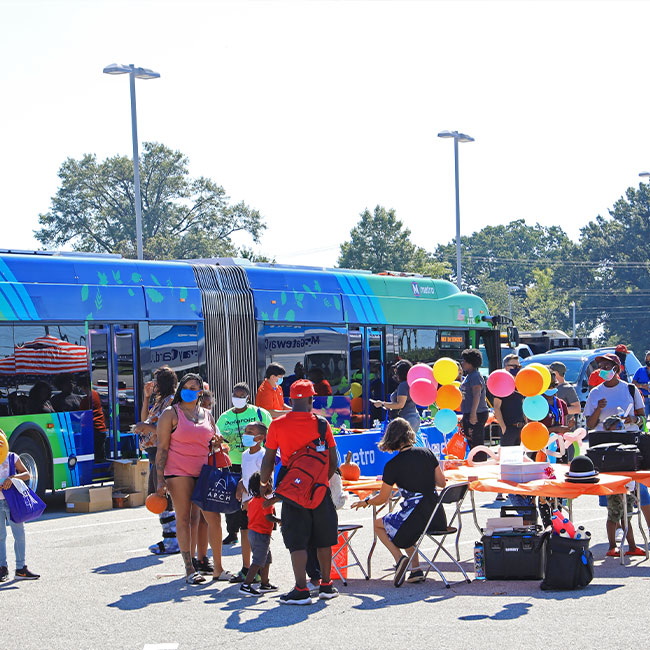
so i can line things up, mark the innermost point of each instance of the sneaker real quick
(249, 590)
(265, 588)
(416, 576)
(239, 577)
(500, 497)
(231, 538)
(25, 574)
(327, 591)
(204, 566)
(619, 535)
(4, 574)
(297, 597)
(311, 586)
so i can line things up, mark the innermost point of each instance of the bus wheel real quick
(33, 458)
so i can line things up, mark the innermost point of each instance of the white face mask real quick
(239, 402)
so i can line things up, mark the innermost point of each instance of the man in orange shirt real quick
(269, 394)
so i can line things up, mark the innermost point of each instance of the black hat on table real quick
(582, 470)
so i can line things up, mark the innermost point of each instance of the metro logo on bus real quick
(418, 290)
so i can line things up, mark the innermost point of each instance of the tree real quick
(547, 305)
(182, 217)
(380, 242)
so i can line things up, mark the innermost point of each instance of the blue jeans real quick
(17, 530)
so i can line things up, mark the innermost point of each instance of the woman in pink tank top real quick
(186, 434)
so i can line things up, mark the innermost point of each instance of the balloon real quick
(419, 371)
(156, 504)
(534, 436)
(449, 397)
(445, 421)
(4, 447)
(455, 383)
(546, 373)
(356, 404)
(535, 408)
(423, 392)
(356, 389)
(445, 370)
(501, 383)
(529, 382)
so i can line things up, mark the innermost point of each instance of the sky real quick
(313, 111)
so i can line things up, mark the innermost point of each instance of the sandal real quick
(613, 552)
(637, 551)
(400, 571)
(224, 576)
(194, 578)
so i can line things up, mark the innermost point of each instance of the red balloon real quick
(356, 404)
(423, 392)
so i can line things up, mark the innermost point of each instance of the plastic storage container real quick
(514, 556)
(523, 472)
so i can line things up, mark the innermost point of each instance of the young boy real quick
(251, 462)
(260, 526)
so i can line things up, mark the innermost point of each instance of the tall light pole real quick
(573, 304)
(458, 137)
(140, 73)
(514, 287)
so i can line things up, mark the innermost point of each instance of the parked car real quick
(580, 364)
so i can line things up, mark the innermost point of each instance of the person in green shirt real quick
(232, 425)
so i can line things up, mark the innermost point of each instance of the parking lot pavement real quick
(101, 588)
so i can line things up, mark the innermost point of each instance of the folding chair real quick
(452, 494)
(351, 530)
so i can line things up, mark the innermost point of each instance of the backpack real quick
(305, 483)
(569, 564)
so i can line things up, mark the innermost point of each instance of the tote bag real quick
(24, 504)
(215, 489)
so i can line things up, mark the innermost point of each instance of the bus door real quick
(367, 352)
(114, 379)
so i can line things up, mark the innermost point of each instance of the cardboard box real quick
(88, 499)
(131, 475)
(122, 499)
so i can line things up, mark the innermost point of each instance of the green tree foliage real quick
(546, 304)
(380, 242)
(182, 217)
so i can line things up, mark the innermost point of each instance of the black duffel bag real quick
(569, 564)
(614, 457)
(638, 438)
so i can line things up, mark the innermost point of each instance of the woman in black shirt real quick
(416, 472)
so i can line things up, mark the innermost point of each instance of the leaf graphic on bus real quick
(183, 293)
(103, 279)
(136, 277)
(334, 418)
(308, 290)
(84, 293)
(300, 297)
(264, 316)
(193, 307)
(291, 315)
(346, 424)
(283, 298)
(276, 313)
(155, 295)
(131, 293)
(116, 277)
(337, 303)
(98, 300)
(327, 303)
(155, 279)
(90, 316)
(317, 286)
(330, 401)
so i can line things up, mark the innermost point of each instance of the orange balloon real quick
(534, 436)
(449, 397)
(156, 504)
(529, 382)
(356, 404)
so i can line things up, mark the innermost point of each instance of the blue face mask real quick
(188, 395)
(550, 391)
(280, 380)
(248, 440)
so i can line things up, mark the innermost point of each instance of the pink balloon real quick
(501, 383)
(419, 371)
(423, 391)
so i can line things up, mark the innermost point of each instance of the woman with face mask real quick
(186, 435)
(232, 425)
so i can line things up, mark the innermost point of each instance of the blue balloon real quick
(535, 408)
(445, 421)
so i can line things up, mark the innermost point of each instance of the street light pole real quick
(458, 137)
(140, 73)
(573, 304)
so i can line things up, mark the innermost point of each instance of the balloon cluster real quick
(437, 385)
(531, 382)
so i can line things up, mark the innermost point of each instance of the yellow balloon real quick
(456, 383)
(356, 389)
(545, 373)
(4, 447)
(445, 371)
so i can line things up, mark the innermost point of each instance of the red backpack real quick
(305, 482)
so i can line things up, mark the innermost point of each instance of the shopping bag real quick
(215, 489)
(457, 446)
(24, 504)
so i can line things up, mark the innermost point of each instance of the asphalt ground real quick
(101, 588)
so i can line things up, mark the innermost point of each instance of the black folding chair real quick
(452, 494)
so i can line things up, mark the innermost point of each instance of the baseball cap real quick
(558, 366)
(622, 348)
(610, 357)
(301, 388)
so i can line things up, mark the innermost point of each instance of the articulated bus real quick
(80, 334)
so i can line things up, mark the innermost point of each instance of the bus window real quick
(452, 343)
(418, 345)
(175, 346)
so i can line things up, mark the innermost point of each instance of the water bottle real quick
(479, 561)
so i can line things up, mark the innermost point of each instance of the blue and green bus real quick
(80, 334)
